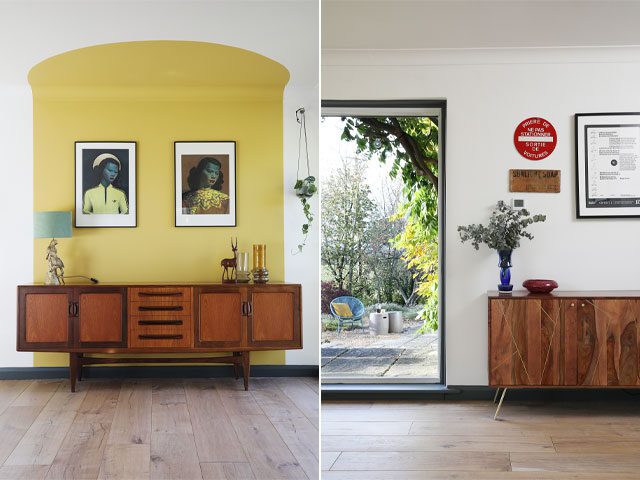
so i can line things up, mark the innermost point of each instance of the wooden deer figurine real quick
(229, 264)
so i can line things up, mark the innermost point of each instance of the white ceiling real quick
(431, 24)
(286, 31)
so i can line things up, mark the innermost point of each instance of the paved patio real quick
(354, 353)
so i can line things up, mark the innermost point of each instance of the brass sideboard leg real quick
(495, 417)
(73, 370)
(236, 364)
(495, 397)
(246, 366)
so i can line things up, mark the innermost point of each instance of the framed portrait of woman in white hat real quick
(105, 190)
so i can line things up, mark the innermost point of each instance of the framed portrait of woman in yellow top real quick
(205, 184)
(105, 190)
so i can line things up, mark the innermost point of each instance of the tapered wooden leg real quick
(236, 365)
(80, 356)
(73, 370)
(246, 365)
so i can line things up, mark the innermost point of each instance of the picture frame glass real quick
(105, 184)
(205, 184)
(607, 165)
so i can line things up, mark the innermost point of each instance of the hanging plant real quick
(304, 188)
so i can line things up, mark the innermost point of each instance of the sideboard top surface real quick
(161, 284)
(525, 294)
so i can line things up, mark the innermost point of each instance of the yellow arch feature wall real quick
(155, 93)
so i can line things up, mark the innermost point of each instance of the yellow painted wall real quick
(172, 91)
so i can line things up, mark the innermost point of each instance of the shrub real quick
(329, 291)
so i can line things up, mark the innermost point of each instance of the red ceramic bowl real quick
(537, 285)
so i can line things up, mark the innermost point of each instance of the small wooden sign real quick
(542, 181)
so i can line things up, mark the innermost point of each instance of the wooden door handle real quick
(159, 322)
(161, 308)
(160, 294)
(160, 337)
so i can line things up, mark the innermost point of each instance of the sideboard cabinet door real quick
(524, 342)
(44, 318)
(101, 317)
(274, 319)
(220, 316)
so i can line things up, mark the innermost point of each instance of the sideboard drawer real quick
(161, 308)
(168, 331)
(160, 294)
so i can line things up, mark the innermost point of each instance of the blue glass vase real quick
(505, 270)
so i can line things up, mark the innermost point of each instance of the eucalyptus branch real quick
(505, 229)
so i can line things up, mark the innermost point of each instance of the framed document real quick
(607, 165)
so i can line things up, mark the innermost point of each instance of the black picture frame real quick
(197, 206)
(119, 208)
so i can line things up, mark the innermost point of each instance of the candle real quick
(259, 257)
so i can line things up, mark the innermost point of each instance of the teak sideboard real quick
(564, 339)
(159, 319)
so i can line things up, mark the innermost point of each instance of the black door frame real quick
(414, 104)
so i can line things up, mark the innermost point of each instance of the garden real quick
(379, 234)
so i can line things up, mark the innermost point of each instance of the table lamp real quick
(52, 225)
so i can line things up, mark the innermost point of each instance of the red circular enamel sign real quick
(535, 138)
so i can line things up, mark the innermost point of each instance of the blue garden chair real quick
(356, 306)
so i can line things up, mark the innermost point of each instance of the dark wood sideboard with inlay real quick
(564, 339)
(159, 319)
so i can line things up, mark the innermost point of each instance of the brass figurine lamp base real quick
(52, 225)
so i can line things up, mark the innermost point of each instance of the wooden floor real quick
(460, 440)
(180, 429)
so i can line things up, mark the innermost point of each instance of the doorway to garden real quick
(382, 221)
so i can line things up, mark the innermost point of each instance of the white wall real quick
(488, 93)
(31, 31)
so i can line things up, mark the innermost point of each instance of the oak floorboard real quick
(366, 428)
(226, 471)
(273, 402)
(81, 452)
(10, 390)
(301, 436)
(173, 455)
(169, 410)
(235, 399)
(125, 462)
(132, 418)
(302, 397)
(268, 454)
(14, 423)
(41, 442)
(575, 462)
(100, 402)
(37, 393)
(23, 472)
(327, 460)
(465, 475)
(437, 443)
(592, 444)
(312, 382)
(216, 439)
(400, 461)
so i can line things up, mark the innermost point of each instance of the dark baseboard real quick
(19, 373)
(402, 392)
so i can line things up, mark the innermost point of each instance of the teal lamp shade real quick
(51, 224)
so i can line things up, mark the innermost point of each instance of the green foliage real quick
(346, 212)
(305, 189)
(505, 229)
(411, 144)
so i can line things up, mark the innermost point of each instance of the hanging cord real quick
(301, 119)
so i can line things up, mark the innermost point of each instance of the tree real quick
(412, 145)
(346, 212)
